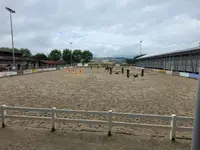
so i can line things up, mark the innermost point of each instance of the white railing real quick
(109, 122)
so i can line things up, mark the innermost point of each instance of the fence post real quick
(53, 119)
(109, 122)
(173, 129)
(3, 115)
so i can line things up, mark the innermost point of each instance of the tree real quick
(41, 56)
(26, 52)
(15, 49)
(55, 55)
(66, 55)
(87, 56)
(8, 49)
(77, 56)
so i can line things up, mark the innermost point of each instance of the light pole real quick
(140, 47)
(71, 54)
(196, 129)
(13, 51)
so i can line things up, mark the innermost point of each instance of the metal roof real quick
(170, 52)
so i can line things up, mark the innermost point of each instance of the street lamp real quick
(140, 47)
(12, 11)
(71, 53)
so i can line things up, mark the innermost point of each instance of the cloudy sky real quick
(106, 27)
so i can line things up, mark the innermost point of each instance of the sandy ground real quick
(37, 139)
(155, 93)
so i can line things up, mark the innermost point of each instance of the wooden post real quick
(53, 119)
(173, 129)
(110, 71)
(142, 72)
(109, 122)
(122, 70)
(128, 73)
(3, 115)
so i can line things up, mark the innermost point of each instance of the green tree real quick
(26, 52)
(55, 55)
(8, 49)
(66, 55)
(41, 56)
(77, 56)
(87, 56)
(15, 49)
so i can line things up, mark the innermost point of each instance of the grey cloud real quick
(106, 27)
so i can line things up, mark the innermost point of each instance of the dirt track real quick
(37, 139)
(154, 94)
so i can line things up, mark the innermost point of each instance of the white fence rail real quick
(109, 122)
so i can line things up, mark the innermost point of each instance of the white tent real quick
(79, 65)
(85, 65)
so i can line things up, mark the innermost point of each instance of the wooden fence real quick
(109, 122)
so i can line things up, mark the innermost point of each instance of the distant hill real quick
(118, 59)
(125, 56)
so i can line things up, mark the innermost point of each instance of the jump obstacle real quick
(77, 70)
(127, 72)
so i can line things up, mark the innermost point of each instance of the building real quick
(22, 63)
(187, 60)
(6, 61)
(50, 63)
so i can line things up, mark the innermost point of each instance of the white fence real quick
(109, 122)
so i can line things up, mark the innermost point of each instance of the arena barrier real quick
(49, 69)
(156, 70)
(169, 72)
(162, 71)
(193, 75)
(40, 70)
(173, 119)
(34, 70)
(184, 74)
(176, 73)
(8, 73)
(27, 71)
(139, 68)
